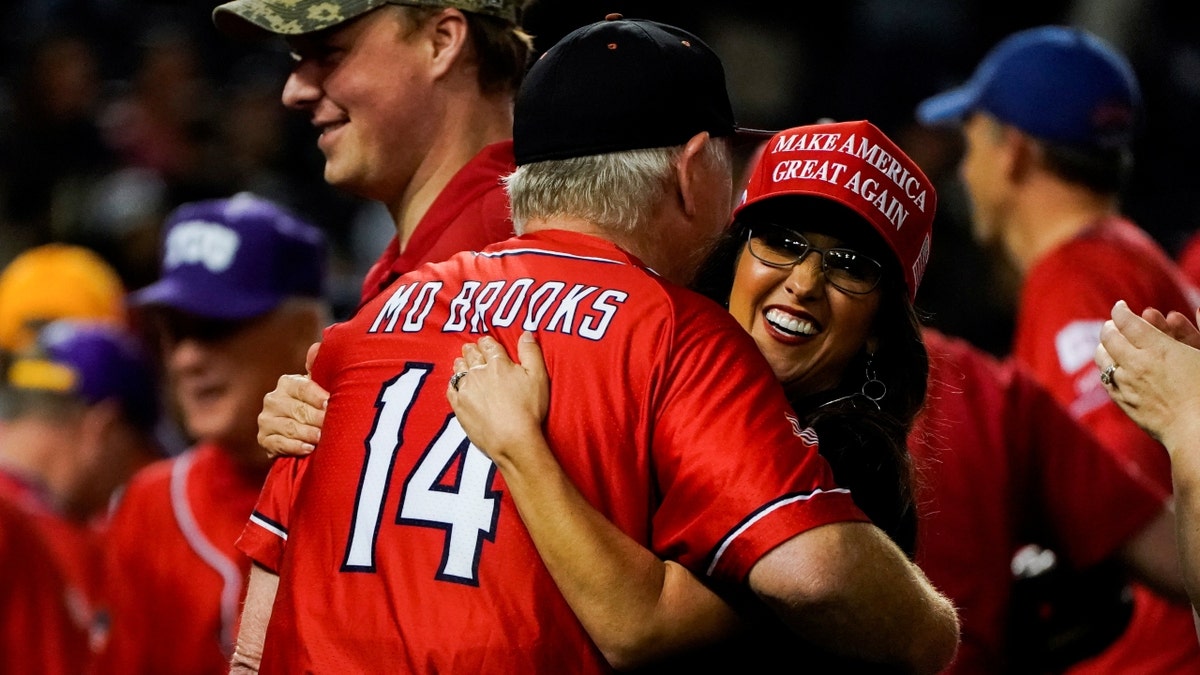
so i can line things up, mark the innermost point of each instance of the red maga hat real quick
(855, 164)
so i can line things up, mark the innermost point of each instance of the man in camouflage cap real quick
(413, 104)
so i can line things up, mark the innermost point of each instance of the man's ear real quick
(689, 168)
(97, 420)
(448, 35)
(1022, 153)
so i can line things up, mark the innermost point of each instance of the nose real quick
(806, 278)
(185, 355)
(302, 89)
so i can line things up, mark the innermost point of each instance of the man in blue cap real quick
(1049, 119)
(240, 299)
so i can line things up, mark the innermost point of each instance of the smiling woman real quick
(823, 281)
(810, 310)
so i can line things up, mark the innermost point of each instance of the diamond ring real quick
(1106, 377)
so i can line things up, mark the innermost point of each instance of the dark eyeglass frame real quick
(809, 248)
(175, 327)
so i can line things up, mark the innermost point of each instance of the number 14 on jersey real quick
(466, 509)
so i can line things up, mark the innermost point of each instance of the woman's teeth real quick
(790, 324)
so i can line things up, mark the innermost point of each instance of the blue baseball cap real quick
(1059, 84)
(94, 362)
(236, 258)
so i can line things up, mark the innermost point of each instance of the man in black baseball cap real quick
(621, 139)
(623, 85)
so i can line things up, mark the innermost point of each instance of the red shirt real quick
(396, 543)
(1001, 464)
(176, 579)
(39, 631)
(75, 547)
(470, 213)
(1066, 298)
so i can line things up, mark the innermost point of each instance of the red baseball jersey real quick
(1066, 298)
(470, 213)
(397, 545)
(176, 579)
(39, 631)
(1002, 464)
(76, 550)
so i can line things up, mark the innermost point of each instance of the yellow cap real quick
(56, 281)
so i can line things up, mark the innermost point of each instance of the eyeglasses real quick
(847, 269)
(178, 326)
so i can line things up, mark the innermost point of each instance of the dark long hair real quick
(866, 446)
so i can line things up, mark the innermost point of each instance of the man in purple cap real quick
(80, 407)
(1049, 119)
(240, 299)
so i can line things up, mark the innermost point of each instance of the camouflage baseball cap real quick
(251, 18)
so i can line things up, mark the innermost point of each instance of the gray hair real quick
(617, 191)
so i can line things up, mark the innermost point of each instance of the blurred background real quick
(112, 112)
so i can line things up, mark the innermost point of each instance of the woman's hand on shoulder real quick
(501, 404)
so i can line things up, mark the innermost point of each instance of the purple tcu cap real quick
(236, 258)
(93, 361)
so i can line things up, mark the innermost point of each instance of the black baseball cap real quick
(621, 84)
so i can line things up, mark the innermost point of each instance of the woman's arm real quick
(636, 607)
(1156, 383)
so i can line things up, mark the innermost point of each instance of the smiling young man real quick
(413, 105)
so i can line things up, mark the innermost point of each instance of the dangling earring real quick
(873, 388)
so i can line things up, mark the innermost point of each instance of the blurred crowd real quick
(112, 112)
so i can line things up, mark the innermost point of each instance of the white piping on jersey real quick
(268, 526)
(725, 543)
(231, 576)
(542, 251)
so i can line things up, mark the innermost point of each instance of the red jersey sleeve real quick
(265, 535)
(763, 464)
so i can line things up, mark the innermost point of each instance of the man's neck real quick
(485, 121)
(1044, 220)
(40, 451)
(649, 252)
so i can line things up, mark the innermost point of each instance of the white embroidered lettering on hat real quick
(873, 154)
(922, 261)
(793, 142)
(808, 169)
(210, 244)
